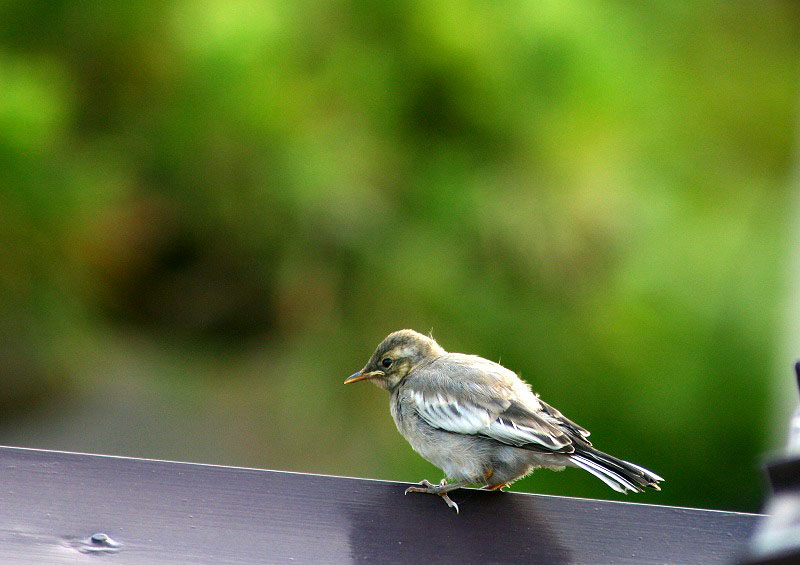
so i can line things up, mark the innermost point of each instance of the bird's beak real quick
(361, 376)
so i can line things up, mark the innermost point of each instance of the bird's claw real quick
(449, 502)
(498, 488)
(429, 488)
(426, 487)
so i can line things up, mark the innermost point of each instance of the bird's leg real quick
(487, 474)
(441, 489)
(500, 487)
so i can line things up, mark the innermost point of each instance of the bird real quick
(480, 423)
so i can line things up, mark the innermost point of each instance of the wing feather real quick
(469, 395)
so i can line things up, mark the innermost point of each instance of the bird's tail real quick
(616, 473)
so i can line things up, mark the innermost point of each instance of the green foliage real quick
(213, 211)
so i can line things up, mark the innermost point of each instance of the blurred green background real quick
(211, 213)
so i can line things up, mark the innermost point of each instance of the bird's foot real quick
(499, 487)
(441, 489)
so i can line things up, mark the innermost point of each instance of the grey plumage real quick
(479, 422)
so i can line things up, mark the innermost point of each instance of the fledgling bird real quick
(479, 422)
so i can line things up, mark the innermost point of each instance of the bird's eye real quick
(386, 362)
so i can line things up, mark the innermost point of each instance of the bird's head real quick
(395, 357)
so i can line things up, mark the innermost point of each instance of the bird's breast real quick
(460, 456)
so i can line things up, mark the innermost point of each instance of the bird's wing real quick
(564, 422)
(469, 395)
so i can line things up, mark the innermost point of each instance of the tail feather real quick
(616, 473)
(612, 479)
